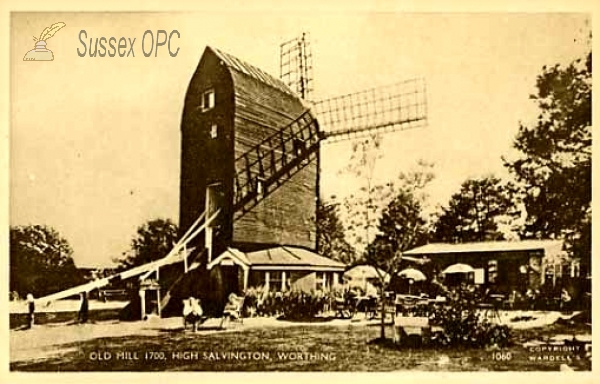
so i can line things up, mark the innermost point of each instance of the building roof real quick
(292, 256)
(279, 257)
(548, 246)
(233, 63)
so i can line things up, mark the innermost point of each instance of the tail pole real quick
(170, 258)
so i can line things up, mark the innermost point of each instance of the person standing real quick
(84, 309)
(565, 300)
(31, 310)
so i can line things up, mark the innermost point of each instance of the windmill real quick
(250, 163)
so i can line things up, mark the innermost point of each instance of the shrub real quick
(462, 325)
(303, 305)
(291, 304)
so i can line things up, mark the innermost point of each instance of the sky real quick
(95, 142)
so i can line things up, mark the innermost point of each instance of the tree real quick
(363, 207)
(153, 241)
(331, 235)
(473, 213)
(555, 163)
(41, 261)
(401, 227)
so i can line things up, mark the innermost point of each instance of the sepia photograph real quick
(310, 191)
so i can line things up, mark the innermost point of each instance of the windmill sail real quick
(296, 67)
(384, 109)
(390, 108)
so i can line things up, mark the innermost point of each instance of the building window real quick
(575, 269)
(322, 281)
(286, 284)
(258, 279)
(208, 100)
(492, 271)
(214, 130)
(275, 281)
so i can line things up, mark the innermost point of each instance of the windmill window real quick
(299, 146)
(260, 187)
(208, 100)
(214, 130)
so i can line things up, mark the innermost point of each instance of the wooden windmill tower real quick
(250, 161)
(250, 145)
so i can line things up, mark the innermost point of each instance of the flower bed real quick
(293, 305)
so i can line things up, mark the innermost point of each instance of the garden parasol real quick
(458, 268)
(413, 274)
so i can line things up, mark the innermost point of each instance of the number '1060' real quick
(501, 356)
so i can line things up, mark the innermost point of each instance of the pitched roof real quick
(552, 246)
(258, 74)
(290, 256)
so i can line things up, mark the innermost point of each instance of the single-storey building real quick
(502, 265)
(277, 269)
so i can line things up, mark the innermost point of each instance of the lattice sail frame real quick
(296, 65)
(389, 108)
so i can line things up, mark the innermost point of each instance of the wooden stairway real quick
(273, 161)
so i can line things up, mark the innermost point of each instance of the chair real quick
(192, 313)
(370, 307)
(509, 302)
(233, 309)
(343, 308)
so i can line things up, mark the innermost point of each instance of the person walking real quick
(31, 310)
(84, 309)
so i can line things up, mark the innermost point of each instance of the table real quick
(368, 304)
(411, 325)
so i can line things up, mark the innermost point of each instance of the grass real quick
(337, 348)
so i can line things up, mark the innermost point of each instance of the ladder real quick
(270, 163)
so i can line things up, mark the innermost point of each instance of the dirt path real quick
(64, 306)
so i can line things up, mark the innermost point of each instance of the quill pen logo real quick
(41, 53)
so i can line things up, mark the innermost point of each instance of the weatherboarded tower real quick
(244, 153)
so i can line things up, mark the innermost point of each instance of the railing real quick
(268, 161)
